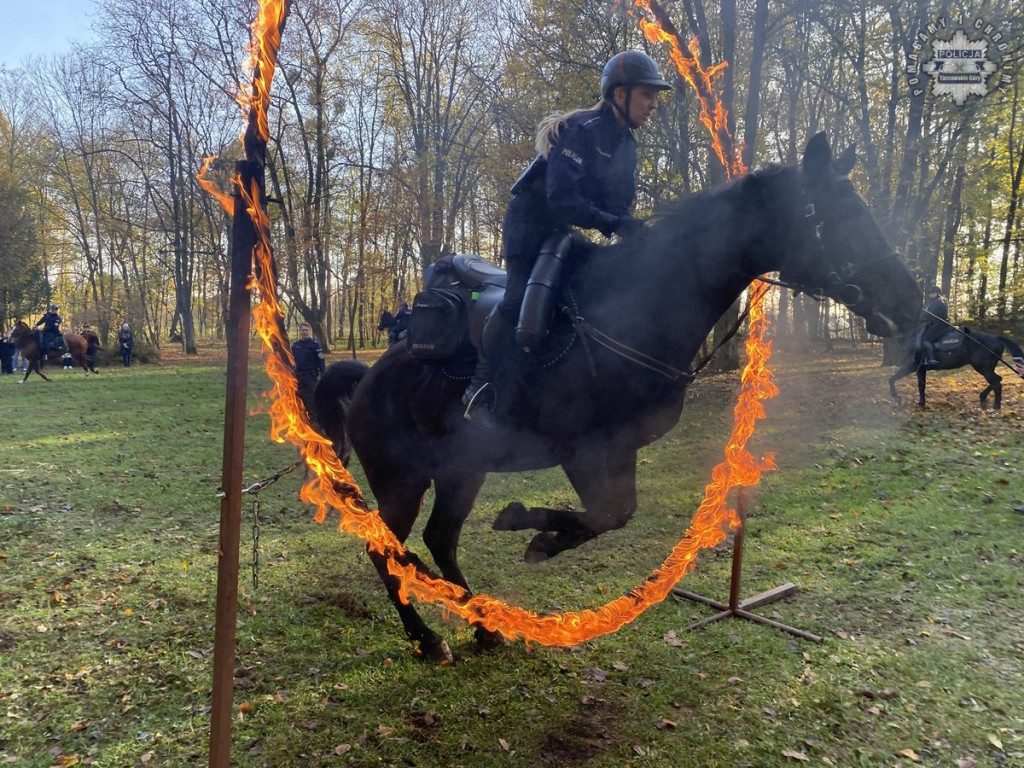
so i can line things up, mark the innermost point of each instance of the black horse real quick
(960, 347)
(658, 294)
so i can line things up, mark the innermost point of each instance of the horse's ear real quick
(817, 157)
(845, 162)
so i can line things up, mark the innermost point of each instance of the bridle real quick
(840, 284)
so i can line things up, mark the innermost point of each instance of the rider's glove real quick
(628, 226)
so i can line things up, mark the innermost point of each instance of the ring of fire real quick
(334, 487)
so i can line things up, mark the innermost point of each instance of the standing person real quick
(18, 361)
(7, 350)
(51, 330)
(583, 176)
(126, 343)
(309, 365)
(936, 323)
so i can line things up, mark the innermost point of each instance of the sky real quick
(42, 27)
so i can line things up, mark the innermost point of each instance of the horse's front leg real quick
(922, 379)
(904, 370)
(605, 480)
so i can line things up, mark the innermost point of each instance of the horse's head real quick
(840, 251)
(20, 329)
(386, 321)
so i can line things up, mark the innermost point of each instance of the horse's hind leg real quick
(995, 386)
(454, 496)
(399, 497)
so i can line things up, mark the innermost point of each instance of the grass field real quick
(903, 529)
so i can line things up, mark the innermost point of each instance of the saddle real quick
(951, 341)
(448, 315)
(461, 291)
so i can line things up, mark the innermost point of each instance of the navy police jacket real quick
(50, 321)
(309, 357)
(591, 171)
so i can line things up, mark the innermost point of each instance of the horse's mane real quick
(688, 218)
(691, 213)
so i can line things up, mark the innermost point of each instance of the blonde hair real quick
(550, 127)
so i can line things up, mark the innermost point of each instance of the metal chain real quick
(255, 489)
(255, 542)
(261, 484)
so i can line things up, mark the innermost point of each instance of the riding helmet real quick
(631, 68)
(54, 307)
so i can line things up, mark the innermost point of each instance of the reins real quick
(588, 332)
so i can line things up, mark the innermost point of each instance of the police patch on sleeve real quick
(573, 156)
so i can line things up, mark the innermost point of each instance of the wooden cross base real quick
(735, 606)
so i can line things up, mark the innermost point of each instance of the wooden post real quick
(243, 240)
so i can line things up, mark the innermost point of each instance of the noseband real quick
(840, 284)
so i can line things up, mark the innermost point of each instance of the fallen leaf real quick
(672, 639)
(911, 754)
(994, 741)
(923, 684)
(341, 749)
(795, 754)
(384, 730)
(665, 723)
(504, 744)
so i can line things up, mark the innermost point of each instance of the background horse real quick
(387, 322)
(590, 409)
(982, 351)
(74, 343)
(397, 328)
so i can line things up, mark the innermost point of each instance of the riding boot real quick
(929, 353)
(481, 396)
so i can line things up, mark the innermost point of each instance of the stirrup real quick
(472, 400)
(482, 417)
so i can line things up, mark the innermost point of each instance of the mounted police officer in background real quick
(935, 325)
(583, 176)
(401, 325)
(309, 365)
(51, 331)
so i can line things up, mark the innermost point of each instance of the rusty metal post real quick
(737, 608)
(243, 240)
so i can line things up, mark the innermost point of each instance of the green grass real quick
(901, 527)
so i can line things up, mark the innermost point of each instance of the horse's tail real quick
(1015, 351)
(331, 399)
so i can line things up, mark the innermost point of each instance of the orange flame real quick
(712, 114)
(227, 202)
(333, 487)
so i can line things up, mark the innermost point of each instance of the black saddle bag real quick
(439, 324)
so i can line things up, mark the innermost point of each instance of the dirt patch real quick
(588, 733)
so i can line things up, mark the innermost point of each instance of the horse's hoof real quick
(439, 651)
(510, 518)
(487, 640)
(540, 547)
